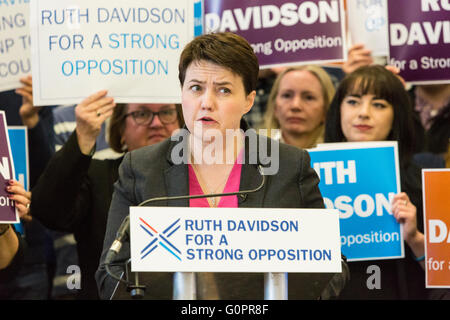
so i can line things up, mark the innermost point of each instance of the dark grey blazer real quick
(150, 172)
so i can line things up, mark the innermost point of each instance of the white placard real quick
(15, 50)
(368, 24)
(169, 239)
(131, 48)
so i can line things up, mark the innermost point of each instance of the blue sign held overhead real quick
(360, 180)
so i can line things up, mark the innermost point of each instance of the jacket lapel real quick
(177, 178)
(177, 182)
(251, 179)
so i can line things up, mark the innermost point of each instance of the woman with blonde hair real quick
(297, 105)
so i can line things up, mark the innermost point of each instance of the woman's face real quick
(213, 97)
(366, 118)
(146, 133)
(299, 104)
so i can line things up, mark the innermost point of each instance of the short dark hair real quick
(117, 126)
(382, 83)
(225, 49)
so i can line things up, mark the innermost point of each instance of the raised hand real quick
(21, 197)
(90, 115)
(405, 212)
(358, 56)
(28, 112)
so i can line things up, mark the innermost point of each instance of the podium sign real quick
(173, 239)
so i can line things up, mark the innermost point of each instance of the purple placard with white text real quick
(8, 212)
(419, 40)
(283, 32)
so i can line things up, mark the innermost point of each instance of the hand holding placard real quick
(21, 197)
(90, 115)
(358, 56)
(405, 212)
(8, 210)
(28, 112)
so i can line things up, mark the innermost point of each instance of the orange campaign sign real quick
(436, 200)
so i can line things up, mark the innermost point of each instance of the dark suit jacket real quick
(150, 172)
(73, 195)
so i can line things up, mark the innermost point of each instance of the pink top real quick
(232, 185)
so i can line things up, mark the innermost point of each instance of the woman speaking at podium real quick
(218, 74)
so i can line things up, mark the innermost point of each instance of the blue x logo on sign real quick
(160, 239)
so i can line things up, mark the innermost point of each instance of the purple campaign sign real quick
(419, 39)
(7, 208)
(283, 32)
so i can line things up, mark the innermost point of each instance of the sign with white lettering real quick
(283, 32)
(436, 215)
(15, 50)
(367, 23)
(419, 40)
(360, 179)
(8, 211)
(166, 239)
(19, 150)
(130, 48)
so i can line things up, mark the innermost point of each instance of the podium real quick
(224, 286)
(251, 253)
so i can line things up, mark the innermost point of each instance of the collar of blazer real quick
(177, 179)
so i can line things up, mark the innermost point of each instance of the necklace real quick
(202, 182)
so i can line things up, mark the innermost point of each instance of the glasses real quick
(145, 117)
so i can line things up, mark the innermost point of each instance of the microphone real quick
(123, 231)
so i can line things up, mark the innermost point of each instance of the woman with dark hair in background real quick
(371, 104)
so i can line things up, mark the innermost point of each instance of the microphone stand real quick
(136, 290)
(184, 282)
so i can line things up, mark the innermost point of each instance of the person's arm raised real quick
(358, 56)
(28, 112)
(90, 115)
(405, 212)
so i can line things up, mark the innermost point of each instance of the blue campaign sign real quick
(360, 180)
(19, 150)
